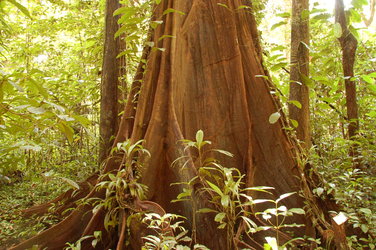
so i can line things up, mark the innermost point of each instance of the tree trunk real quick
(112, 85)
(299, 72)
(349, 45)
(204, 78)
(368, 21)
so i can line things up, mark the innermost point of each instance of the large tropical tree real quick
(204, 72)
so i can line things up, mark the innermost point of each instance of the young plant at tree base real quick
(165, 228)
(122, 188)
(231, 203)
(77, 245)
(279, 213)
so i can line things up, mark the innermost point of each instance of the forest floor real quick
(15, 197)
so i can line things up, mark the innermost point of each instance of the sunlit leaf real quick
(20, 7)
(297, 210)
(215, 188)
(225, 200)
(36, 110)
(171, 10)
(273, 118)
(70, 182)
(284, 196)
(219, 217)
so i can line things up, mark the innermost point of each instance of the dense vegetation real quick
(50, 70)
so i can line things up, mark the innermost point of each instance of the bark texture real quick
(349, 46)
(112, 85)
(299, 71)
(204, 79)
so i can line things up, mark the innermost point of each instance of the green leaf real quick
(206, 210)
(306, 80)
(243, 7)
(283, 196)
(219, 217)
(36, 110)
(35, 148)
(65, 118)
(200, 247)
(257, 201)
(223, 152)
(284, 15)
(372, 88)
(364, 228)
(297, 210)
(224, 5)
(41, 90)
(82, 120)
(319, 191)
(278, 66)
(272, 242)
(225, 200)
(366, 211)
(20, 7)
(171, 10)
(158, 1)
(259, 188)
(296, 103)
(223, 225)
(215, 188)
(273, 118)
(70, 182)
(368, 79)
(294, 123)
(359, 3)
(262, 76)
(94, 242)
(124, 10)
(199, 137)
(67, 130)
(274, 26)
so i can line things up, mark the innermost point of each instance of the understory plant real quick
(121, 187)
(169, 232)
(230, 200)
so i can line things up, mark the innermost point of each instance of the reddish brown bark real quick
(299, 72)
(204, 79)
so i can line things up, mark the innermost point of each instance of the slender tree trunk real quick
(368, 21)
(299, 72)
(349, 46)
(203, 78)
(113, 70)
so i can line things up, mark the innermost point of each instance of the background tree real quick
(349, 46)
(112, 84)
(299, 71)
(368, 21)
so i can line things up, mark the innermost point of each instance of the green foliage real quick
(134, 24)
(230, 201)
(48, 87)
(49, 66)
(169, 233)
(21, 194)
(121, 188)
(96, 237)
